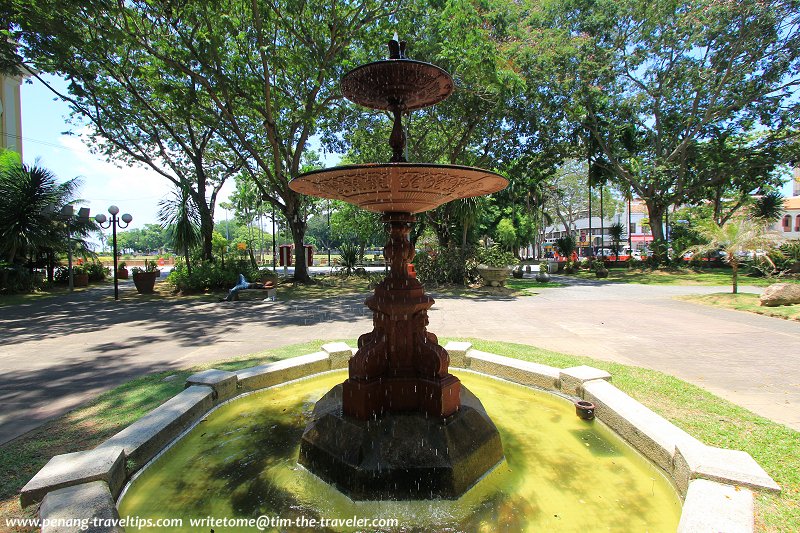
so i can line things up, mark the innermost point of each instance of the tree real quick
(267, 70)
(735, 168)
(616, 230)
(139, 109)
(654, 84)
(220, 245)
(569, 195)
(30, 200)
(769, 207)
(566, 246)
(353, 225)
(506, 234)
(734, 237)
(181, 218)
(151, 237)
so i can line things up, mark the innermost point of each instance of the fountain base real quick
(400, 456)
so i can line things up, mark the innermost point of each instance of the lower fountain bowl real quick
(398, 187)
(400, 456)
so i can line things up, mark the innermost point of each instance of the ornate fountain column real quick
(401, 426)
(399, 365)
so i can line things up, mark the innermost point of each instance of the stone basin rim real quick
(716, 485)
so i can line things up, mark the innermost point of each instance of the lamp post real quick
(67, 213)
(113, 223)
(330, 266)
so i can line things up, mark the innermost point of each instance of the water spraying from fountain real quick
(399, 376)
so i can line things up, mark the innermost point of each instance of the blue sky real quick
(135, 190)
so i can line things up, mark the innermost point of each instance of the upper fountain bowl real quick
(398, 187)
(394, 83)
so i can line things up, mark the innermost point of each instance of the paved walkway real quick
(60, 352)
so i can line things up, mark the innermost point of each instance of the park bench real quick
(244, 285)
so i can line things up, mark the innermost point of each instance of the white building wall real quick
(11, 113)
(793, 226)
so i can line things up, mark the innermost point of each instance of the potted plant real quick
(493, 265)
(543, 275)
(122, 270)
(600, 270)
(80, 276)
(145, 278)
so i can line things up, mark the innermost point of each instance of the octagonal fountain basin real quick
(560, 473)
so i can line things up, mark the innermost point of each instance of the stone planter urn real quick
(145, 281)
(122, 273)
(601, 272)
(80, 280)
(494, 276)
(542, 276)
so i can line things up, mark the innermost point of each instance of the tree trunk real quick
(440, 229)
(655, 212)
(51, 266)
(298, 229)
(206, 232)
(735, 280)
(188, 264)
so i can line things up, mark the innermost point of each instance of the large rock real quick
(781, 294)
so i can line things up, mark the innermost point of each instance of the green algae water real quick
(560, 473)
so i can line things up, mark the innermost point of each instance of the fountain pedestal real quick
(401, 426)
(399, 365)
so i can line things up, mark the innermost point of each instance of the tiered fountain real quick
(401, 426)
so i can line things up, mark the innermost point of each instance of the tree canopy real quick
(658, 87)
(678, 103)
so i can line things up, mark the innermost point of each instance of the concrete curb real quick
(702, 474)
(88, 507)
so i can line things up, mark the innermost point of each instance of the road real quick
(60, 352)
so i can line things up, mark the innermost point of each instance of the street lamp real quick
(113, 223)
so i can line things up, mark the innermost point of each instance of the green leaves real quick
(30, 200)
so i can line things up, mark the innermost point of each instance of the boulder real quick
(781, 294)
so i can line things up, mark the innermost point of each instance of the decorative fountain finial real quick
(397, 48)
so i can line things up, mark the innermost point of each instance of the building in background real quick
(789, 225)
(640, 234)
(11, 113)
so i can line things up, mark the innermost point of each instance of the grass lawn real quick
(745, 302)
(54, 290)
(325, 287)
(683, 276)
(514, 288)
(707, 417)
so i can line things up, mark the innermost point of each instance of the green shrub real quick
(15, 279)
(61, 274)
(97, 272)
(494, 256)
(447, 265)
(212, 276)
(349, 257)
